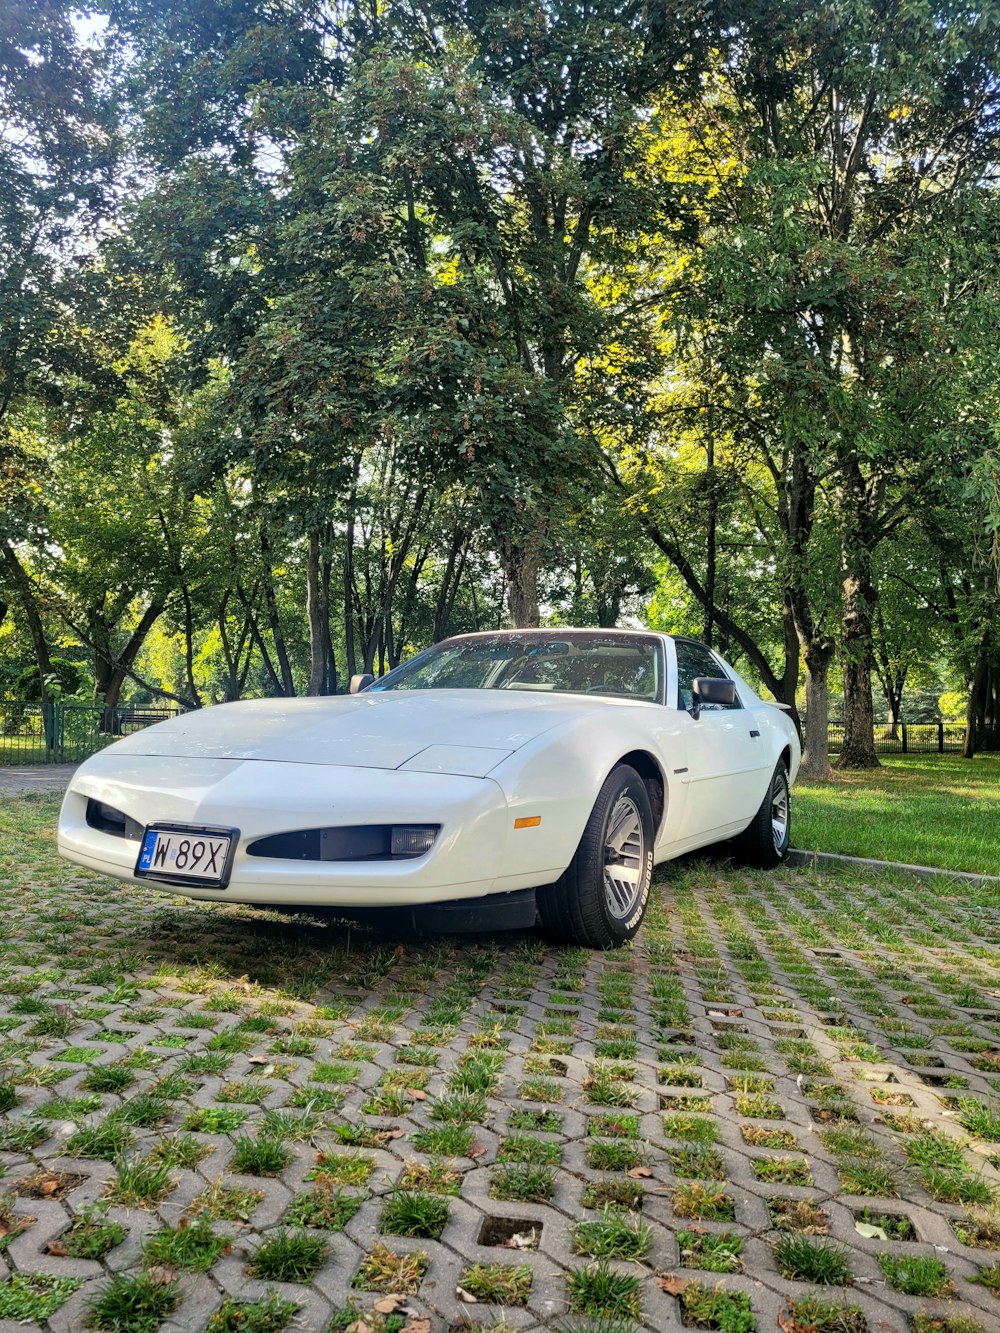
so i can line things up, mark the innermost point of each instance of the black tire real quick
(760, 843)
(586, 907)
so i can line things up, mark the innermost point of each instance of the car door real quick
(725, 753)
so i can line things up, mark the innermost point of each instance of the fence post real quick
(940, 738)
(903, 729)
(49, 727)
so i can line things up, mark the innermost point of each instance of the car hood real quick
(440, 731)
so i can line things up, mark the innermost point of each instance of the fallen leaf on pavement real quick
(15, 1225)
(870, 1231)
(161, 1274)
(672, 1284)
(388, 1304)
(522, 1240)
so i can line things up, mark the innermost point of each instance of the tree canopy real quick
(327, 331)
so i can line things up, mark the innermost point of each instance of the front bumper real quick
(263, 797)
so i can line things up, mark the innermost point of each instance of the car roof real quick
(560, 630)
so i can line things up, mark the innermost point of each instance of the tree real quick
(908, 637)
(117, 514)
(457, 171)
(484, 303)
(834, 297)
(516, 136)
(56, 169)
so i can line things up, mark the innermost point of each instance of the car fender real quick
(552, 783)
(782, 735)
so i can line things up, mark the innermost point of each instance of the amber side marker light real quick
(528, 821)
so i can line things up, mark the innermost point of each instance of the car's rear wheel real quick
(766, 839)
(601, 899)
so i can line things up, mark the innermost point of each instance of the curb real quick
(797, 857)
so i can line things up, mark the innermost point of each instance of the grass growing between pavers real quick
(404, 1117)
(927, 810)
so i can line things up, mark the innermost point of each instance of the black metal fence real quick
(58, 733)
(920, 738)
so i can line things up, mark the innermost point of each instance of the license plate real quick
(187, 855)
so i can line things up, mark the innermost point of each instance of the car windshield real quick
(597, 663)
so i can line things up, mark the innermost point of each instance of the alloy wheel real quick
(779, 812)
(624, 858)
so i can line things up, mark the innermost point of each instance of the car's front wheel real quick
(766, 839)
(601, 899)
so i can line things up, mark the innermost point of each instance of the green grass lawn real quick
(21, 750)
(932, 810)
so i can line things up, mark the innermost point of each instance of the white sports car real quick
(490, 778)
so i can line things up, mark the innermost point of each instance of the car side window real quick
(694, 659)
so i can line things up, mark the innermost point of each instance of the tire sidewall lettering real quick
(781, 780)
(640, 908)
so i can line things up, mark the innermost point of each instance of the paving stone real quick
(746, 1003)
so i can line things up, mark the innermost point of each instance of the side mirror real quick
(359, 683)
(711, 690)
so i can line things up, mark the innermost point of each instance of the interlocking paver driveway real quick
(777, 1110)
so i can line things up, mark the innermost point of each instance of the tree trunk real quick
(972, 703)
(858, 750)
(891, 676)
(404, 627)
(103, 658)
(189, 645)
(125, 660)
(783, 686)
(892, 717)
(520, 563)
(389, 639)
(711, 551)
(894, 688)
(256, 639)
(609, 611)
(314, 614)
(817, 654)
(349, 598)
(274, 621)
(449, 583)
(329, 654)
(29, 605)
(232, 666)
(793, 656)
(476, 622)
